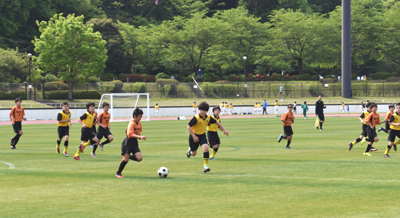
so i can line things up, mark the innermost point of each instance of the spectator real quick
(338, 77)
(265, 105)
(358, 78)
(362, 77)
(172, 77)
(199, 74)
(270, 71)
(365, 77)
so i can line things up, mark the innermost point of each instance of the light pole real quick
(30, 79)
(245, 73)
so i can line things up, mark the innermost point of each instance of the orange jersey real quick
(288, 116)
(95, 117)
(133, 128)
(373, 119)
(388, 115)
(104, 118)
(17, 114)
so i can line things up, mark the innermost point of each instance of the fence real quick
(59, 90)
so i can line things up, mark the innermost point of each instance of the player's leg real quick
(206, 156)
(214, 152)
(321, 120)
(391, 138)
(124, 161)
(66, 141)
(18, 130)
(289, 140)
(192, 151)
(81, 148)
(100, 133)
(136, 153)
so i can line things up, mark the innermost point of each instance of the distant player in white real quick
(221, 106)
(255, 108)
(276, 104)
(226, 108)
(156, 108)
(259, 107)
(194, 108)
(231, 109)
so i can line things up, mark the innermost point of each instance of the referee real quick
(319, 111)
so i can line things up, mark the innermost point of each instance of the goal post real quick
(123, 104)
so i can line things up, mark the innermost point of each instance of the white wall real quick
(51, 114)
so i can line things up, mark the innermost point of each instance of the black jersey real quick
(319, 107)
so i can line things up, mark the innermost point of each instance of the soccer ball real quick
(162, 172)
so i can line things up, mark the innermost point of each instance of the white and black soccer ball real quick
(163, 172)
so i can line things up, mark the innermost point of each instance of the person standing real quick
(295, 108)
(199, 74)
(281, 91)
(362, 106)
(319, 111)
(305, 109)
(270, 71)
(276, 104)
(265, 105)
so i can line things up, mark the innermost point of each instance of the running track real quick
(175, 117)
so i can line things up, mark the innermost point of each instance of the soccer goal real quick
(123, 104)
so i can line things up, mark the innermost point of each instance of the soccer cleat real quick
(206, 169)
(317, 127)
(65, 154)
(93, 154)
(367, 154)
(386, 156)
(288, 147)
(101, 147)
(188, 153)
(77, 158)
(380, 129)
(350, 146)
(211, 158)
(13, 147)
(395, 147)
(12, 141)
(280, 138)
(321, 130)
(82, 147)
(363, 141)
(119, 175)
(373, 149)
(58, 150)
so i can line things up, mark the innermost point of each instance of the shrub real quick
(234, 78)
(50, 78)
(164, 89)
(276, 77)
(136, 78)
(105, 87)
(75, 94)
(92, 79)
(107, 77)
(393, 79)
(118, 85)
(12, 95)
(328, 80)
(162, 75)
(304, 77)
(379, 76)
(223, 82)
(58, 85)
(167, 81)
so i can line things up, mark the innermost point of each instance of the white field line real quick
(9, 164)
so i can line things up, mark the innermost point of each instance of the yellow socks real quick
(387, 150)
(213, 154)
(397, 142)
(86, 144)
(65, 149)
(206, 161)
(355, 142)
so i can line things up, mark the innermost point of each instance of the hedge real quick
(167, 81)
(75, 95)
(12, 95)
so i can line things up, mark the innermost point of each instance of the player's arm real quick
(361, 118)
(192, 122)
(284, 119)
(368, 119)
(391, 122)
(83, 117)
(221, 127)
(23, 115)
(59, 119)
(98, 120)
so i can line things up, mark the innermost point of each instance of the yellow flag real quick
(316, 122)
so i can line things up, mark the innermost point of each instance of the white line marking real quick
(9, 164)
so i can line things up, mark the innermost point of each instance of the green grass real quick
(253, 176)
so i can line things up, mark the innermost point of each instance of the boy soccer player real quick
(305, 109)
(194, 108)
(387, 118)
(256, 108)
(230, 109)
(319, 111)
(104, 128)
(276, 106)
(295, 108)
(287, 120)
(222, 108)
(226, 108)
(394, 130)
(343, 107)
(197, 128)
(87, 120)
(259, 107)
(364, 127)
(130, 144)
(372, 120)
(156, 108)
(212, 133)
(17, 115)
(63, 122)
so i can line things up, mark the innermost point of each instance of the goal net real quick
(123, 104)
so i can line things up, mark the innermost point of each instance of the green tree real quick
(70, 48)
(13, 63)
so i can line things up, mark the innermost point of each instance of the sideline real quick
(9, 164)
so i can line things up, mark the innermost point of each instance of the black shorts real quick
(194, 145)
(387, 126)
(63, 131)
(294, 108)
(87, 134)
(364, 130)
(321, 116)
(213, 138)
(101, 132)
(393, 134)
(17, 127)
(129, 146)
(287, 130)
(371, 133)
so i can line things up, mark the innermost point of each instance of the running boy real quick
(87, 120)
(295, 108)
(387, 118)
(395, 130)
(276, 106)
(194, 108)
(197, 128)
(372, 120)
(156, 108)
(130, 144)
(212, 133)
(63, 122)
(305, 109)
(17, 115)
(104, 128)
(364, 127)
(287, 120)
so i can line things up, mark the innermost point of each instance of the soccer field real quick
(253, 176)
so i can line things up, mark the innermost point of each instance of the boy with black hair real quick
(194, 108)
(372, 120)
(394, 130)
(130, 144)
(319, 111)
(63, 123)
(364, 133)
(230, 109)
(305, 109)
(226, 108)
(197, 128)
(287, 120)
(256, 108)
(156, 108)
(104, 128)
(222, 108)
(212, 133)
(276, 104)
(17, 115)
(295, 108)
(87, 120)
(387, 118)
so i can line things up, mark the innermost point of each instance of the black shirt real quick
(319, 107)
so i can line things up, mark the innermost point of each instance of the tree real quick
(13, 63)
(70, 48)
